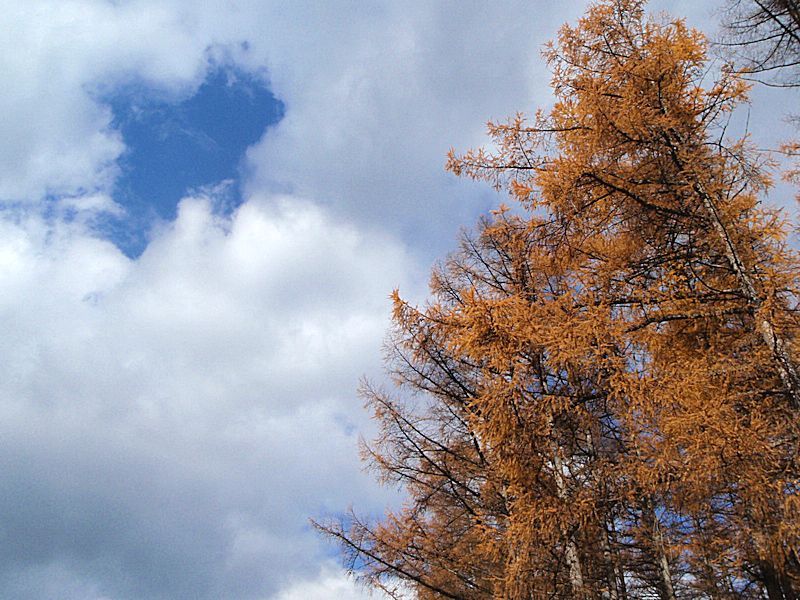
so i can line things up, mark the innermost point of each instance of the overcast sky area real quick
(203, 209)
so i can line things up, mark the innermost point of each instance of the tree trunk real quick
(665, 577)
(776, 584)
(788, 371)
(786, 368)
(614, 575)
(660, 561)
(573, 558)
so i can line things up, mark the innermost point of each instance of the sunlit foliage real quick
(600, 399)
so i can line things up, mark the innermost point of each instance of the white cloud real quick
(57, 56)
(331, 583)
(169, 424)
(374, 97)
(374, 107)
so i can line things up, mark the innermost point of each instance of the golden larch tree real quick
(601, 398)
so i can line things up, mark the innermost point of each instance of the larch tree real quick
(601, 398)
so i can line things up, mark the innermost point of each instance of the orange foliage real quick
(601, 398)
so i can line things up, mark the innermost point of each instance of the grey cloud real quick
(170, 437)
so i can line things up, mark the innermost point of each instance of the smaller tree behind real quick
(764, 35)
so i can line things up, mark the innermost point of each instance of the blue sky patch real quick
(175, 147)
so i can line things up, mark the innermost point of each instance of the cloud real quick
(169, 424)
(57, 56)
(374, 97)
(331, 583)
(374, 101)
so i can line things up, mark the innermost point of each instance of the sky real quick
(204, 207)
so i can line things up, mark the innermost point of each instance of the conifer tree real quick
(601, 399)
